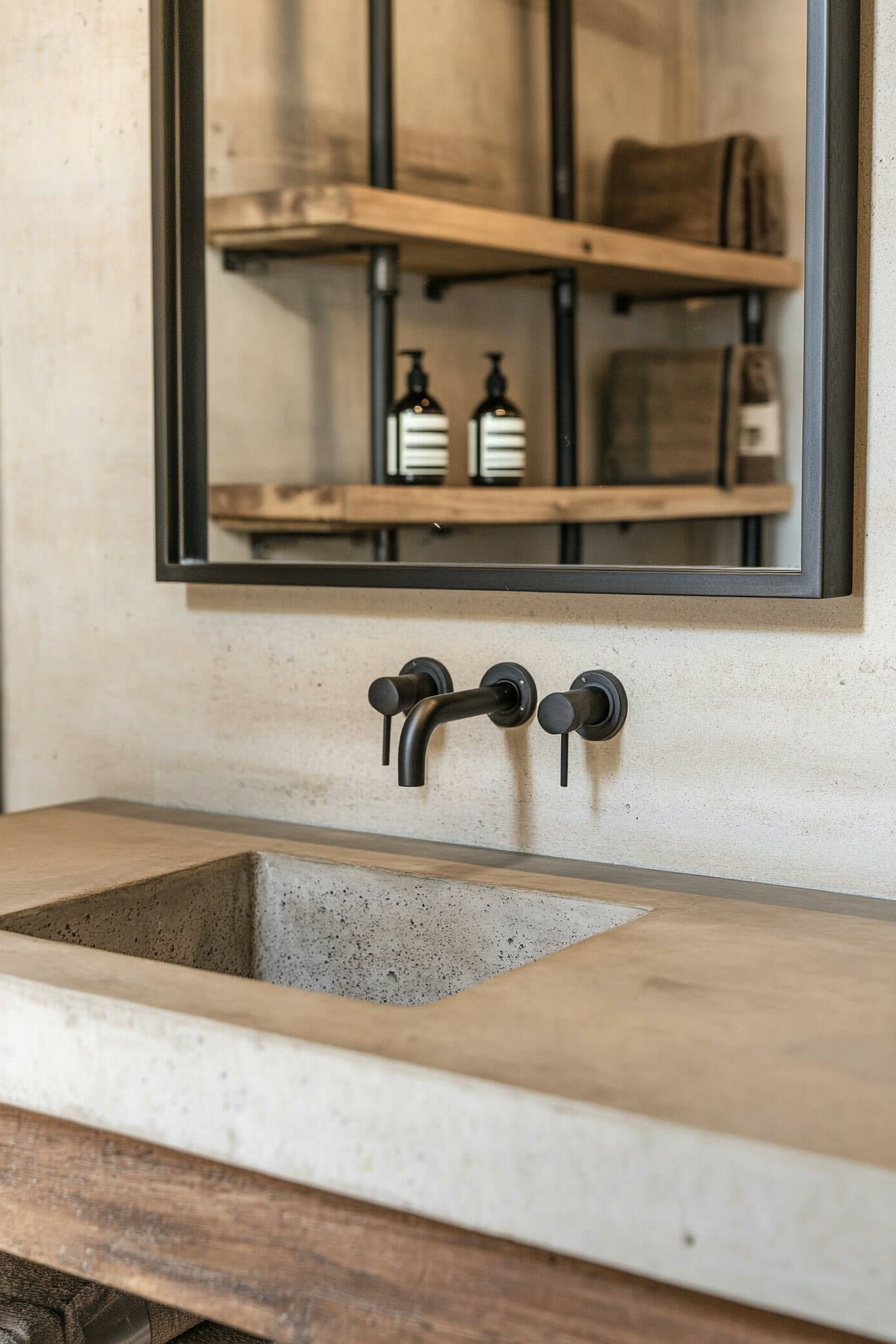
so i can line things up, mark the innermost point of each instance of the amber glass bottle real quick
(417, 451)
(497, 434)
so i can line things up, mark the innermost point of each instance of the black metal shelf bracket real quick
(255, 261)
(435, 287)
(624, 303)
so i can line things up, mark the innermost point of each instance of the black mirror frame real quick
(177, 82)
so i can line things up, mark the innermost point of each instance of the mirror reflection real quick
(565, 324)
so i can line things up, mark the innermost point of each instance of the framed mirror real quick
(616, 245)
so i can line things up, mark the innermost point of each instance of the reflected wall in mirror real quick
(611, 197)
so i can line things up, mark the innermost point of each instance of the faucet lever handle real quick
(568, 711)
(418, 680)
(595, 707)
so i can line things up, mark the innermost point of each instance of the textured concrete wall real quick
(762, 736)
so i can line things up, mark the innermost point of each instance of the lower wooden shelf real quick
(339, 508)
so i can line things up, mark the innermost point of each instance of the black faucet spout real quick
(428, 715)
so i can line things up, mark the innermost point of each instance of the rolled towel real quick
(723, 193)
(692, 417)
(44, 1306)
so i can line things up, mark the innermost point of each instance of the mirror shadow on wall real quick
(665, 324)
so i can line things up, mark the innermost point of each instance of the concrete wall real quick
(762, 736)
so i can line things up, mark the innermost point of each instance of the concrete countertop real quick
(706, 1095)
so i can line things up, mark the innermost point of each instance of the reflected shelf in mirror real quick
(263, 357)
(323, 508)
(445, 238)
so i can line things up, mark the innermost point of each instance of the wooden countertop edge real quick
(290, 1263)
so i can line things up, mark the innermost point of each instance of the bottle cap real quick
(495, 383)
(418, 378)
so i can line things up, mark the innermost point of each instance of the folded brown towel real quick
(692, 417)
(720, 192)
(760, 457)
(44, 1306)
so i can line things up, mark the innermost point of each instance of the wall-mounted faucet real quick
(595, 707)
(418, 679)
(507, 694)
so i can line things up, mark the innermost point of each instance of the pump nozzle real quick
(496, 383)
(418, 378)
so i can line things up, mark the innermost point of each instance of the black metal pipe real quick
(566, 403)
(383, 289)
(751, 542)
(563, 149)
(383, 276)
(381, 93)
(428, 715)
(753, 315)
(563, 206)
(384, 261)
(753, 305)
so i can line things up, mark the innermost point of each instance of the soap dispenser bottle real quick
(497, 434)
(417, 442)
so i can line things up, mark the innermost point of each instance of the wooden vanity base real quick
(301, 1267)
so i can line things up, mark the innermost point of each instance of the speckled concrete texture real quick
(761, 740)
(390, 938)
(757, 1222)
(333, 928)
(201, 917)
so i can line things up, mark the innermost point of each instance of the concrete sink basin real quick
(363, 933)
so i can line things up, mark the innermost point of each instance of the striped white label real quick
(760, 430)
(503, 449)
(422, 444)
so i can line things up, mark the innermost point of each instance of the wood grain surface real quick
(281, 507)
(443, 237)
(303, 1267)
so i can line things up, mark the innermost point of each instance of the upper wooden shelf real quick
(339, 508)
(444, 238)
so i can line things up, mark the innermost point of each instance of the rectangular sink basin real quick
(362, 933)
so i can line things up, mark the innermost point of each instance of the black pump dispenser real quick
(418, 378)
(496, 383)
(497, 434)
(417, 442)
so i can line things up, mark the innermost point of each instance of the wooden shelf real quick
(339, 508)
(445, 238)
